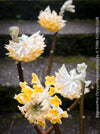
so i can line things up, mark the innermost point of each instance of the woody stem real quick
(76, 102)
(81, 126)
(49, 130)
(57, 128)
(52, 54)
(20, 71)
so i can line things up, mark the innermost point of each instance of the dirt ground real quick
(8, 69)
(68, 126)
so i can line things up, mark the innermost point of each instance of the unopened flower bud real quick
(81, 67)
(67, 6)
(14, 31)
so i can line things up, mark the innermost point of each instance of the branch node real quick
(17, 77)
(83, 117)
(68, 109)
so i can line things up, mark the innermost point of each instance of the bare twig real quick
(43, 131)
(20, 71)
(39, 131)
(81, 125)
(49, 130)
(76, 102)
(51, 54)
(57, 128)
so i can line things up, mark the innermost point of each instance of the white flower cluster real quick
(38, 102)
(50, 20)
(67, 6)
(27, 48)
(69, 84)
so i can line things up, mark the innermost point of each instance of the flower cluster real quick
(67, 6)
(50, 20)
(27, 48)
(38, 102)
(69, 84)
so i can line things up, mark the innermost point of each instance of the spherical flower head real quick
(39, 104)
(69, 84)
(27, 48)
(50, 20)
(67, 6)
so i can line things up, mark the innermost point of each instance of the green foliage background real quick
(29, 10)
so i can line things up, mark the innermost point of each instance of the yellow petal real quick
(56, 101)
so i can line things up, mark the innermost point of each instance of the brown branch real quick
(39, 131)
(56, 128)
(81, 122)
(76, 102)
(43, 131)
(51, 54)
(20, 71)
(49, 130)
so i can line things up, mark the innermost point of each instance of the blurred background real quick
(75, 44)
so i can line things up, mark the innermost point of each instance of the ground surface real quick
(72, 27)
(8, 69)
(68, 126)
